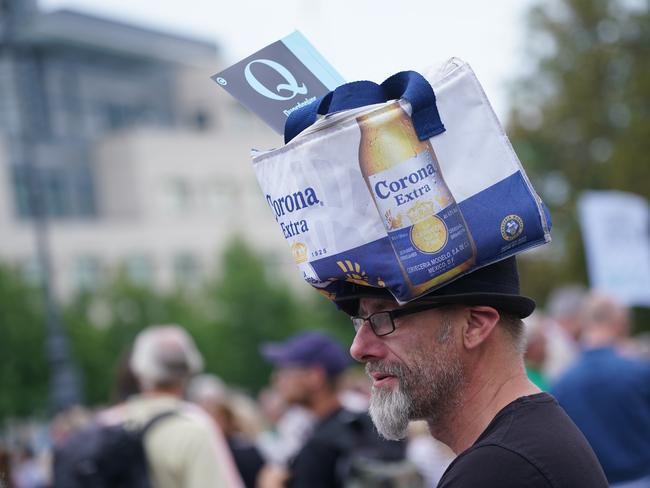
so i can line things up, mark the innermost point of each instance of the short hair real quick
(207, 389)
(602, 310)
(511, 323)
(514, 327)
(566, 301)
(165, 355)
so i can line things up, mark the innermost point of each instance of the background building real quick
(135, 155)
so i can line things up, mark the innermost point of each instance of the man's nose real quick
(366, 346)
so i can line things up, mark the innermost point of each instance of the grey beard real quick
(420, 394)
(390, 411)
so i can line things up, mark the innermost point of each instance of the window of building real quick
(56, 195)
(21, 191)
(178, 195)
(87, 272)
(218, 196)
(139, 268)
(66, 192)
(186, 269)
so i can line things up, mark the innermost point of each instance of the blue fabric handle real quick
(409, 85)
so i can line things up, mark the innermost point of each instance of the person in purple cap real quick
(454, 358)
(307, 367)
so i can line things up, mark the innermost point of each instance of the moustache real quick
(392, 369)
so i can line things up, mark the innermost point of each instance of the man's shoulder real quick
(187, 421)
(176, 424)
(491, 465)
(602, 373)
(141, 409)
(533, 439)
(539, 428)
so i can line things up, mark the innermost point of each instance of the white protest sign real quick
(616, 236)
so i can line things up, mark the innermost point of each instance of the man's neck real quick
(175, 391)
(598, 338)
(485, 393)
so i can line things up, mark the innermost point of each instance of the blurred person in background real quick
(307, 368)
(562, 330)
(125, 383)
(288, 427)
(28, 471)
(535, 355)
(67, 422)
(6, 480)
(431, 456)
(211, 394)
(642, 345)
(354, 390)
(185, 449)
(248, 415)
(607, 394)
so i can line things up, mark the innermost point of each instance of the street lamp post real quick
(34, 129)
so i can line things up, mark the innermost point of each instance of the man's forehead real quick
(374, 304)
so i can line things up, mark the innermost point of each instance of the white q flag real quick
(616, 233)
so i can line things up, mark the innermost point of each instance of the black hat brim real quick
(495, 285)
(519, 305)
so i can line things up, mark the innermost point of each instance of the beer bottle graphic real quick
(424, 224)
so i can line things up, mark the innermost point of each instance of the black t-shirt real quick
(247, 458)
(530, 443)
(321, 463)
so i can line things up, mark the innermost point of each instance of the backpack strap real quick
(153, 421)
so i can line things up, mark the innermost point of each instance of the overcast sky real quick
(363, 39)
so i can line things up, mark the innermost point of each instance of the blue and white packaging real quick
(350, 211)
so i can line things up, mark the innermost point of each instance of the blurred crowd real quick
(582, 351)
(197, 431)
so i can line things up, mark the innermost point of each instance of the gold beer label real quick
(299, 252)
(420, 211)
(429, 235)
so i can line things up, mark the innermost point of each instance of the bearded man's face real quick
(421, 377)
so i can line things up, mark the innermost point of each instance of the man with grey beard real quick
(454, 358)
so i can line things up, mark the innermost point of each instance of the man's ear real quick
(479, 324)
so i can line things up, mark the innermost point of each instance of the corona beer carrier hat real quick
(495, 285)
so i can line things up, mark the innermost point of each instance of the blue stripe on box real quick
(368, 263)
(485, 213)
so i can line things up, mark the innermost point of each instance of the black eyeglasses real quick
(382, 323)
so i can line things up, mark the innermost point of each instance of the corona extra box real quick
(405, 185)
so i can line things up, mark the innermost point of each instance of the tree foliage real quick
(580, 118)
(229, 316)
(23, 368)
(249, 307)
(103, 324)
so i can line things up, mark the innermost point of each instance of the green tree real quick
(23, 369)
(251, 307)
(230, 316)
(580, 119)
(102, 325)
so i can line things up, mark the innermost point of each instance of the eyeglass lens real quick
(380, 322)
